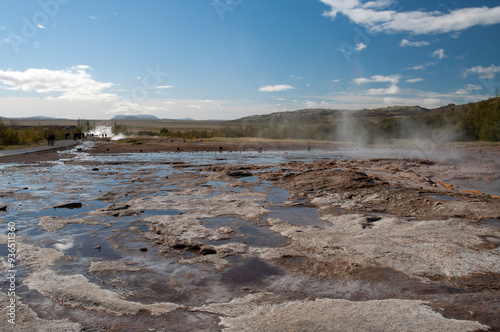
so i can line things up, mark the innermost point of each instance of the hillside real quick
(135, 117)
(317, 114)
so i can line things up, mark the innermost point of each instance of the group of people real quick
(51, 140)
(76, 136)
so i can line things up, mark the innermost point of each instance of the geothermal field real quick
(179, 235)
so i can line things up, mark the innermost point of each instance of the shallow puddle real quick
(300, 216)
(247, 233)
(248, 272)
(493, 240)
(442, 197)
(491, 223)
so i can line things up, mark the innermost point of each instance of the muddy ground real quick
(253, 237)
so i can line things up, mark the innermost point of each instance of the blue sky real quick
(224, 59)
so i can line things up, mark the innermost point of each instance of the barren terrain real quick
(253, 236)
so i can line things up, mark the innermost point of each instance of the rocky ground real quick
(379, 244)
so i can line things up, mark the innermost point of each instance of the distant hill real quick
(32, 118)
(316, 115)
(135, 117)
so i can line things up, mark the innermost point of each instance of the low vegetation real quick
(471, 122)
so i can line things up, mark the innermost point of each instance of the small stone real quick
(143, 249)
(95, 169)
(97, 247)
(74, 205)
(239, 173)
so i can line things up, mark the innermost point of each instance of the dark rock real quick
(73, 205)
(95, 169)
(143, 249)
(3, 207)
(207, 251)
(239, 173)
(97, 247)
(116, 207)
(372, 218)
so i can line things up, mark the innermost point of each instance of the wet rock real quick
(28, 320)
(143, 249)
(3, 207)
(266, 312)
(239, 174)
(73, 205)
(51, 224)
(419, 249)
(116, 210)
(95, 169)
(97, 247)
(77, 291)
(206, 250)
(108, 196)
(107, 267)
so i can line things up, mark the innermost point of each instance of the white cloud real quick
(377, 16)
(276, 88)
(377, 78)
(439, 53)
(194, 106)
(360, 47)
(468, 89)
(41, 27)
(406, 42)
(418, 67)
(336, 81)
(483, 72)
(414, 80)
(5, 41)
(72, 84)
(296, 77)
(423, 66)
(391, 90)
(165, 87)
(132, 108)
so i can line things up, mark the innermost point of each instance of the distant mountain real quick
(33, 118)
(40, 118)
(135, 117)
